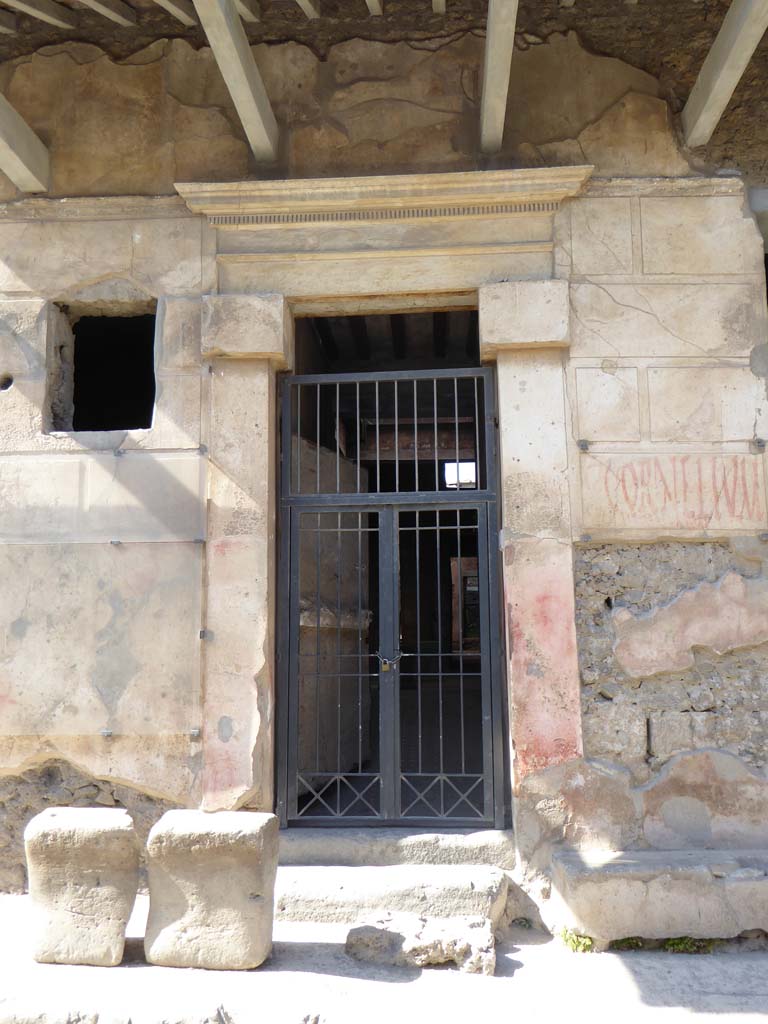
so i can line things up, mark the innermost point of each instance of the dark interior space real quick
(114, 372)
(399, 341)
(410, 433)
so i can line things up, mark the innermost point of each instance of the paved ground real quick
(310, 980)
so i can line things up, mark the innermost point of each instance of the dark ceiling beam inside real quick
(440, 336)
(399, 335)
(359, 331)
(326, 339)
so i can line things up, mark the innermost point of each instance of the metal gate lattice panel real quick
(389, 703)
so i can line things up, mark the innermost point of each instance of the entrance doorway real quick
(390, 703)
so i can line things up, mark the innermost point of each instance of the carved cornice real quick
(409, 197)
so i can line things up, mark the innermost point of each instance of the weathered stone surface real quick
(722, 617)
(363, 107)
(83, 869)
(634, 137)
(712, 403)
(248, 327)
(346, 894)
(81, 623)
(705, 799)
(692, 492)
(523, 314)
(602, 236)
(716, 700)
(608, 402)
(240, 566)
(699, 236)
(407, 940)
(382, 846)
(211, 889)
(59, 784)
(657, 895)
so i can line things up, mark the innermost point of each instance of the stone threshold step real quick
(323, 893)
(366, 847)
(659, 894)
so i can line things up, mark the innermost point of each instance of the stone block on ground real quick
(410, 940)
(211, 889)
(344, 894)
(83, 867)
(659, 894)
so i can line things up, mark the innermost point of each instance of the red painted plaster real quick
(545, 702)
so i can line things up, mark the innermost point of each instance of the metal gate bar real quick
(377, 468)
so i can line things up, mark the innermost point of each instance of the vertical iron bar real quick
(378, 458)
(456, 429)
(434, 409)
(416, 432)
(360, 640)
(357, 386)
(387, 707)
(461, 639)
(338, 438)
(490, 636)
(417, 538)
(338, 644)
(477, 439)
(294, 627)
(298, 440)
(397, 442)
(317, 642)
(317, 441)
(438, 524)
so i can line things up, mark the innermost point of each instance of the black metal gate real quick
(390, 706)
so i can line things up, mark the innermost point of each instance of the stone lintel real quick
(383, 197)
(248, 327)
(523, 315)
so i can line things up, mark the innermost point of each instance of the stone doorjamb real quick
(246, 339)
(365, 246)
(524, 326)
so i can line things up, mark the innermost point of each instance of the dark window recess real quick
(114, 372)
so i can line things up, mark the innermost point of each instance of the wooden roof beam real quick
(232, 51)
(23, 157)
(309, 8)
(115, 10)
(499, 44)
(743, 27)
(8, 25)
(182, 10)
(249, 10)
(45, 10)
(375, 6)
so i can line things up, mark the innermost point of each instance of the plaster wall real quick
(623, 323)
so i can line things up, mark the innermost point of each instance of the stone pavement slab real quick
(310, 980)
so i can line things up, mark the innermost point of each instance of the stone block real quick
(347, 894)
(523, 314)
(706, 403)
(670, 732)
(601, 236)
(685, 491)
(667, 320)
(608, 402)
(699, 235)
(409, 940)
(708, 894)
(615, 729)
(83, 867)
(23, 337)
(211, 889)
(178, 333)
(248, 327)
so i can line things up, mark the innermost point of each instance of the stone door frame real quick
(415, 242)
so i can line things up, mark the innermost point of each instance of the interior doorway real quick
(389, 645)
